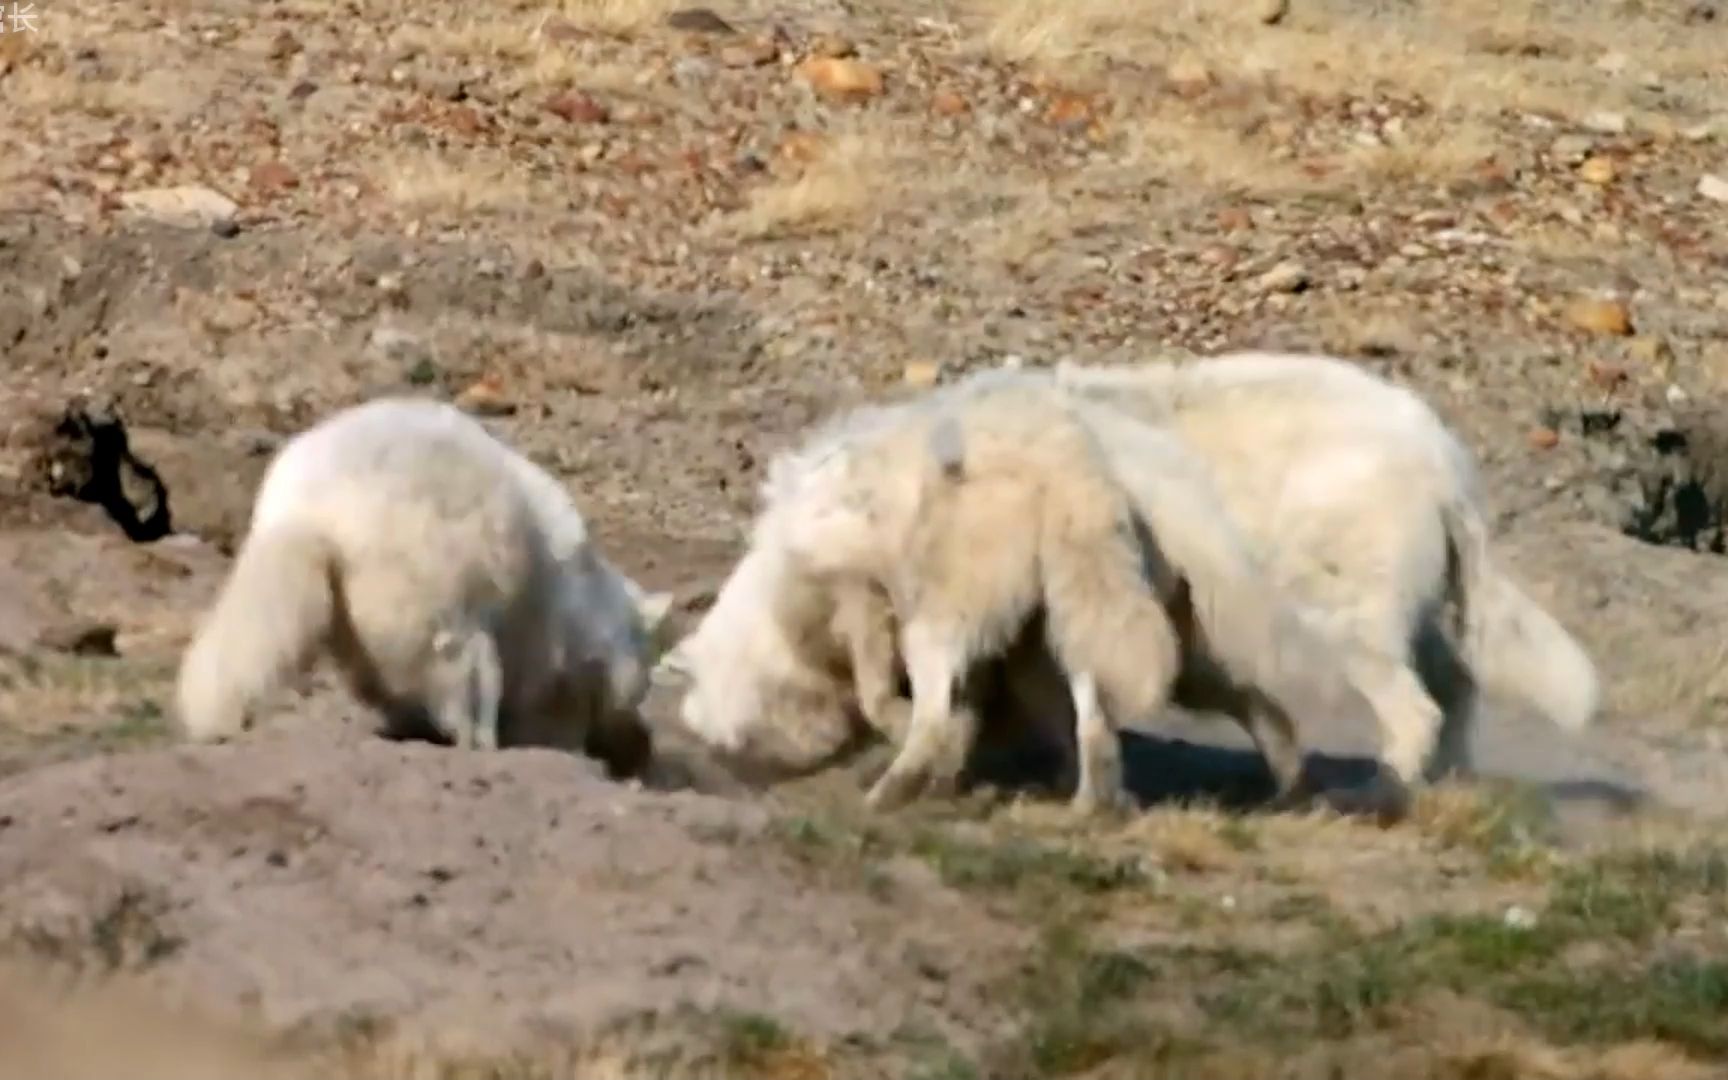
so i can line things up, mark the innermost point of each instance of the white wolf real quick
(962, 516)
(1368, 509)
(452, 580)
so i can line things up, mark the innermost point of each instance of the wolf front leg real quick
(942, 727)
(466, 687)
(1100, 787)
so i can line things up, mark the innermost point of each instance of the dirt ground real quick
(651, 243)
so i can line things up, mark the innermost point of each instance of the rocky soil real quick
(650, 243)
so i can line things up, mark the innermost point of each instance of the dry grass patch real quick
(1197, 156)
(48, 1034)
(1346, 329)
(1431, 151)
(473, 182)
(836, 181)
(108, 703)
(622, 17)
(38, 89)
(1472, 57)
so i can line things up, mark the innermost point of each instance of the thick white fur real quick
(1101, 520)
(1367, 508)
(451, 579)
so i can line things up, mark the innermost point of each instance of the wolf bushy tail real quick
(274, 608)
(1514, 647)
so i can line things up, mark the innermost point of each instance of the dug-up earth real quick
(650, 244)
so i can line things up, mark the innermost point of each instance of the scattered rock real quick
(1518, 917)
(699, 21)
(283, 45)
(841, 79)
(485, 397)
(273, 177)
(1234, 219)
(948, 103)
(1544, 438)
(1603, 122)
(832, 46)
(1600, 316)
(1570, 149)
(799, 149)
(1714, 188)
(1597, 170)
(1650, 351)
(401, 347)
(191, 206)
(922, 374)
(1188, 74)
(578, 108)
(757, 52)
(559, 28)
(1271, 12)
(1070, 111)
(1286, 277)
(1608, 377)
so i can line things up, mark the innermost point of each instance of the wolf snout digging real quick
(451, 579)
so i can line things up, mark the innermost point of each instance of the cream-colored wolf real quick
(959, 518)
(452, 580)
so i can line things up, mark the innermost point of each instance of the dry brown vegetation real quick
(651, 244)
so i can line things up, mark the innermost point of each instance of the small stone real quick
(800, 148)
(1599, 316)
(841, 79)
(578, 108)
(561, 29)
(1597, 170)
(272, 177)
(1189, 74)
(1700, 132)
(189, 205)
(1234, 219)
(1286, 277)
(757, 52)
(948, 103)
(832, 46)
(1714, 188)
(1608, 377)
(1604, 122)
(1572, 148)
(302, 90)
(401, 347)
(699, 20)
(1518, 917)
(1651, 351)
(1544, 438)
(922, 374)
(1271, 12)
(1071, 111)
(485, 397)
(283, 45)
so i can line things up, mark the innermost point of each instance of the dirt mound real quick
(427, 897)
